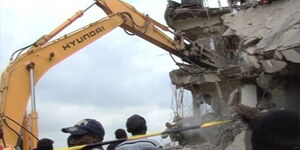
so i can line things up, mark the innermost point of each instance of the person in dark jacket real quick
(278, 130)
(136, 125)
(87, 131)
(44, 144)
(274, 130)
(119, 134)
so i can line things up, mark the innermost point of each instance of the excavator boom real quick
(15, 82)
(142, 25)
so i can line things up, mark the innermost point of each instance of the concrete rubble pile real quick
(250, 58)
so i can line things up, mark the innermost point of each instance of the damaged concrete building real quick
(250, 57)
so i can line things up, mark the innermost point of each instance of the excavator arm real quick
(143, 26)
(18, 80)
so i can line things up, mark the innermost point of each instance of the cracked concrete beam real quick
(252, 41)
(278, 55)
(272, 66)
(291, 55)
(211, 77)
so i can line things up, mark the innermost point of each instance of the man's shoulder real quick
(112, 146)
(140, 143)
(145, 140)
(96, 148)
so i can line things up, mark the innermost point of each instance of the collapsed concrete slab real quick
(251, 58)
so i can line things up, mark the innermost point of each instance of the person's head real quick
(276, 131)
(136, 125)
(120, 133)
(86, 131)
(45, 144)
(75, 140)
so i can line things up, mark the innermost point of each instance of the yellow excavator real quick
(20, 77)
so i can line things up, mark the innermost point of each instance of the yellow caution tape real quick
(144, 136)
(205, 125)
(213, 123)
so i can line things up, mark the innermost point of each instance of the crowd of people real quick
(275, 131)
(90, 131)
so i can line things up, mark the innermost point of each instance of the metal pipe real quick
(33, 104)
(44, 39)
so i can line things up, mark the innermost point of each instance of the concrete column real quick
(249, 95)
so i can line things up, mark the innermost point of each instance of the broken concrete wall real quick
(276, 25)
(254, 59)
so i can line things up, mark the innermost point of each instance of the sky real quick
(111, 79)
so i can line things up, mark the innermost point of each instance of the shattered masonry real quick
(250, 58)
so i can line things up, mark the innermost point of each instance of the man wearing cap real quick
(136, 125)
(87, 131)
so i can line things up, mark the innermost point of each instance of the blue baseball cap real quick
(86, 126)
